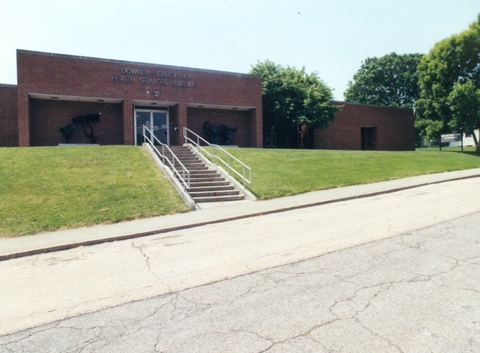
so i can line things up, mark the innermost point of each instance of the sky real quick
(329, 37)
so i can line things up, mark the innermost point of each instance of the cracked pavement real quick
(393, 273)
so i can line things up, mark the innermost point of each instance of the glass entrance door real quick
(156, 121)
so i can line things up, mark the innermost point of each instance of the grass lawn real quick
(48, 188)
(286, 172)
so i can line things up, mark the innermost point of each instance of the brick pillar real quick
(128, 123)
(182, 120)
(256, 128)
(23, 120)
(259, 125)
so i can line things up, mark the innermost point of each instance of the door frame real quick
(151, 111)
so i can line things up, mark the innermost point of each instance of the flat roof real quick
(130, 62)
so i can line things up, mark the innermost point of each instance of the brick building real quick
(52, 89)
(368, 127)
(8, 116)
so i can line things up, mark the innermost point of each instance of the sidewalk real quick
(210, 214)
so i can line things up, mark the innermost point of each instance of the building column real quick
(256, 128)
(23, 120)
(128, 123)
(182, 120)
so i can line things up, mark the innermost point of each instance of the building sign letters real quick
(158, 78)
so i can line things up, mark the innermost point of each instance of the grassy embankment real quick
(287, 172)
(48, 188)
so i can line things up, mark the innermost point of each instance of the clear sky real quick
(330, 37)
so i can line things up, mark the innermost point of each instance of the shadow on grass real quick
(467, 150)
(469, 153)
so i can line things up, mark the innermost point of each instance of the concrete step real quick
(191, 167)
(181, 154)
(209, 179)
(194, 184)
(206, 185)
(174, 149)
(184, 161)
(195, 194)
(178, 151)
(192, 160)
(205, 172)
(218, 198)
(197, 174)
(213, 188)
(195, 167)
(205, 176)
(189, 157)
(181, 157)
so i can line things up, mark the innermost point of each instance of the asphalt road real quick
(392, 273)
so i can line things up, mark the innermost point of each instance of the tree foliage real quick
(292, 97)
(389, 81)
(450, 79)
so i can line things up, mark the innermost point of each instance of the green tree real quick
(292, 98)
(464, 101)
(450, 80)
(389, 81)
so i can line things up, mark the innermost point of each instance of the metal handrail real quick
(184, 179)
(215, 157)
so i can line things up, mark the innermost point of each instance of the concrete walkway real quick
(210, 214)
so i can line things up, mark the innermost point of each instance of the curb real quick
(216, 221)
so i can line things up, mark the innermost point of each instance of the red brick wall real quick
(395, 128)
(47, 116)
(8, 116)
(64, 75)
